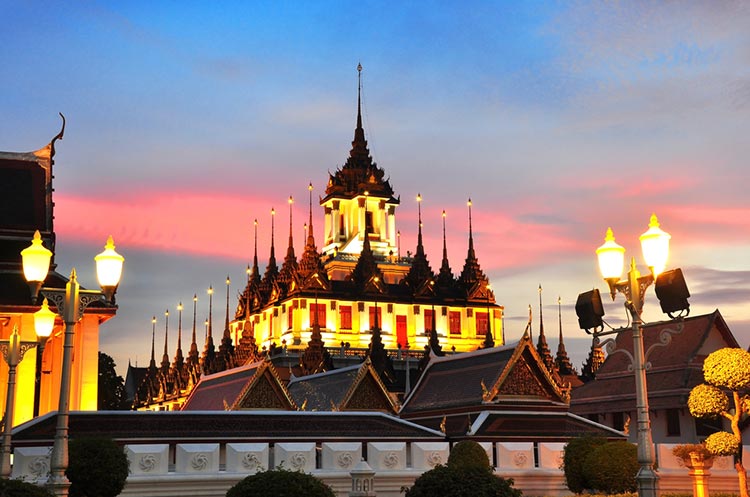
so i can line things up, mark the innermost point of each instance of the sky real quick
(187, 120)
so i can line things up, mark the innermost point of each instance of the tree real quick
(98, 467)
(611, 468)
(467, 474)
(280, 482)
(574, 457)
(725, 369)
(18, 488)
(111, 387)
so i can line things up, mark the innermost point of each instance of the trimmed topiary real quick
(18, 488)
(98, 467)
(611, 468)
(462, 481)
(468, 454)
(574, 456)
(280, 482)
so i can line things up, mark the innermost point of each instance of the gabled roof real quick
(675, 368)
(485, 377)
(352, 388)
(245, 426)
(252, 386)
(518, 425)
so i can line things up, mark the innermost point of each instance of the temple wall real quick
(209, 468)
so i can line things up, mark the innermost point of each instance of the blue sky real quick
(559, 119)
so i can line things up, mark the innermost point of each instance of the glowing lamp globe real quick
(611, 257)
(36, 259)
(109, 269)
(655, 246)
(44, 321)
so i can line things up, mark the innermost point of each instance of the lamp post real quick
(13, 351)
(655, 247)
(70, 304)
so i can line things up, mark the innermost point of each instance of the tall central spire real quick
(359, 145)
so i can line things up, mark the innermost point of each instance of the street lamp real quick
(13, 351)
(70, 304)
(655, 247)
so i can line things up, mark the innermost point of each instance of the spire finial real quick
(255, 243)
(559, 316)
(226, 319)
(541, 319)
(193, 344)
(165, 357)
(310, 223)
(471, 236)
(152, 364)
(419, 210)
(179, 329)
(272, 258)
(291, 201)
(210, 292)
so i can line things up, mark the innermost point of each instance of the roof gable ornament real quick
(525, 375)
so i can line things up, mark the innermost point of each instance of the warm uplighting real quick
(44, 321)
(109, 268)
(655, 246)
(611, 257)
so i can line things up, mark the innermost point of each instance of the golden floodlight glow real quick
(655, 246)
(611, 257)
(36, 259)
(210, 290)
(109, 265)
(44, 321)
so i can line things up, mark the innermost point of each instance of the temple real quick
(26, 206)
(357, 296)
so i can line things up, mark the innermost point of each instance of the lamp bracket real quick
(85, 298)
(626, 288)
(665, 338)
(610, 346)
(15, 357)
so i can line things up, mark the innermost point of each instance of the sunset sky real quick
(187, 120)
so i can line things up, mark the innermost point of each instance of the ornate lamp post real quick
(70, 304)
(672, 293)
(13, 351)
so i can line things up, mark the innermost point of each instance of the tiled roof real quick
(675, 368)
(270, 426)
(322, 391)
(221, 390)
(457, 380)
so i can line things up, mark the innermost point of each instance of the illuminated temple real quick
(327, 308)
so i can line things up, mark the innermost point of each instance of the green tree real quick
(611, 468)
(280, 482)
(111, 387)
(725, 369)
(574, 457)
(98, 467)
(18, 488)
(467, 474)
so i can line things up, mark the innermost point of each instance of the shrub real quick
(18, 488)
(683, 451)
(722, 443)
(98, 467)
(461, 481)
(280, 482)
(468, 454)
(574, 455)
(611, 468)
